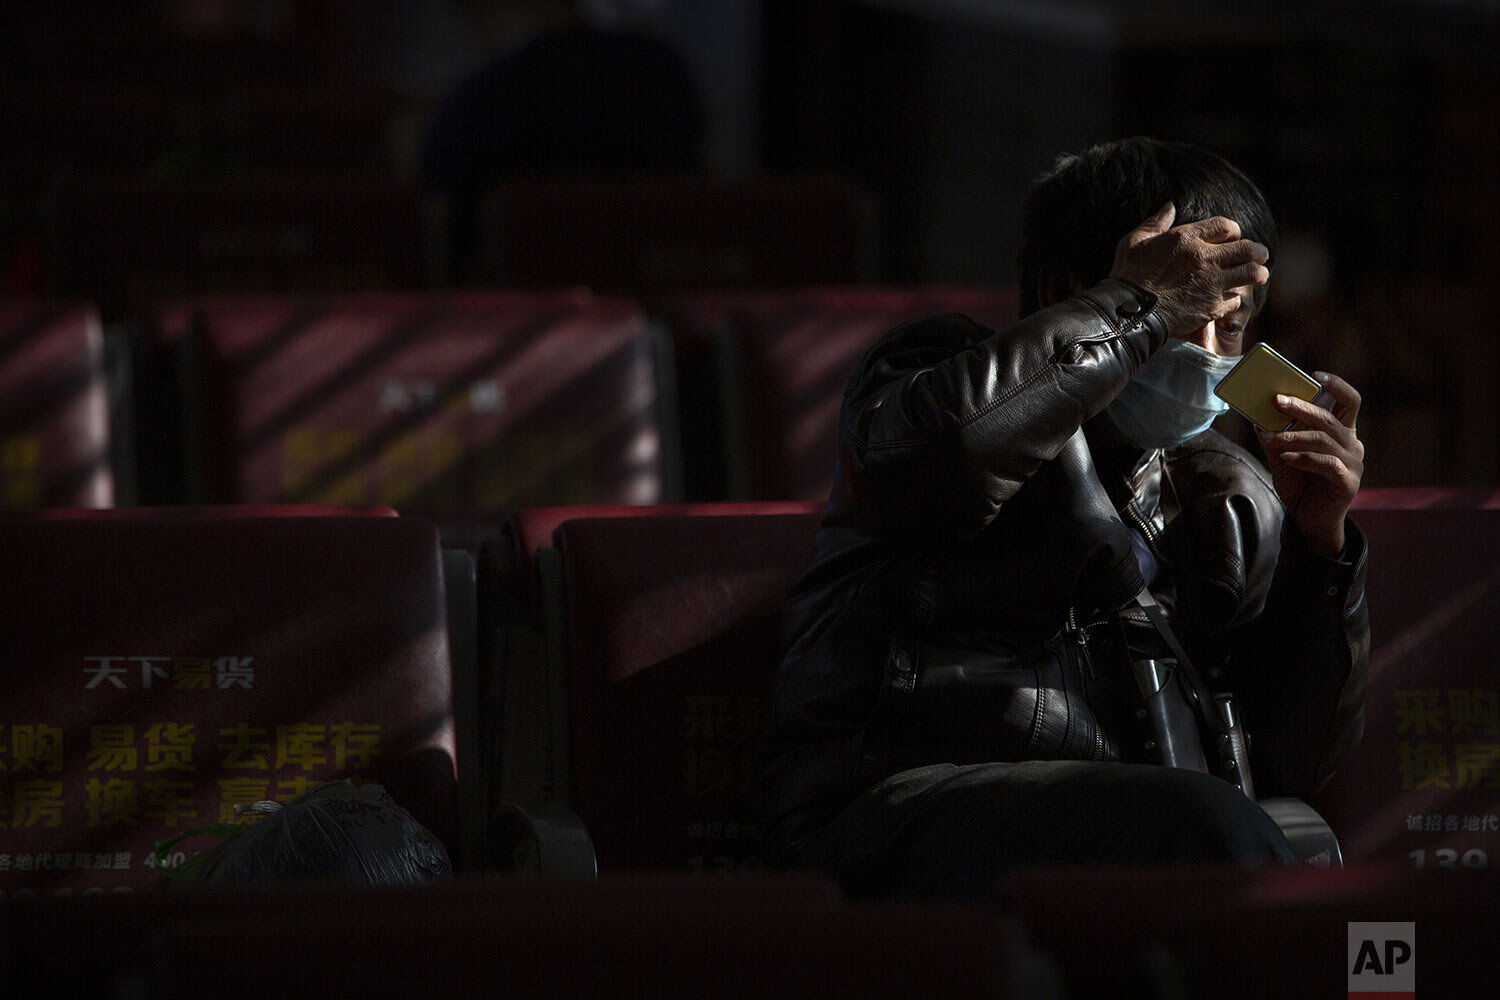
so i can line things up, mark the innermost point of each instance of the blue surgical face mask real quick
(1170, 399)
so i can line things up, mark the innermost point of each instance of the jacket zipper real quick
(1153, 543)
(1081, 639)
(1147, 531)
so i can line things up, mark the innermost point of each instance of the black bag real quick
(338, 831)
(961, 704)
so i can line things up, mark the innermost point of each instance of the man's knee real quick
(1207, 819)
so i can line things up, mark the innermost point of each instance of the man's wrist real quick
(1143, 310)
(1329, 545)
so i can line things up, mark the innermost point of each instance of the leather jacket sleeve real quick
(1300, 669)
(945, 420)
(1226, 539)
(1290, 627)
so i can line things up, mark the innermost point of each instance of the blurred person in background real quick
(568, 90)
(959, 696)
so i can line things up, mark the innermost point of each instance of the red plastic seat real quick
(664, 634)
(523, 532)
(117, 128)
(1424, 785)
(193, 513)
(1429, 498)
(1283, 931)
(163, 670)
(54, 408)
(647, 235)
(652, 937)
(134, 245)
(455, 406)
(512, 651)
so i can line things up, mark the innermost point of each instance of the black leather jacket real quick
(978, 523)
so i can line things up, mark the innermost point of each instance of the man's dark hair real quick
(1077, 211)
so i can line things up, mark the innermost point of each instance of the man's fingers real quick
(1241, 263)
(1160, 222)
(1216, 229)
(1327, 467)
(1346, 397)
(1319, 432)
(1309, 414)
(1229, 304)
(1249, 273)
(1289, 442)
(1238, 252)
(1323, 422)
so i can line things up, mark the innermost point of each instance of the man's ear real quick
(1053, 285)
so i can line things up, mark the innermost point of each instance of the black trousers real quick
(948, 832)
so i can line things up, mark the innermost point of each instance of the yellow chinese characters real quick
(720, 735)
(1452, 738)
(128, 775)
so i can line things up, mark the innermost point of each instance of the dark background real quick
(1373, 128)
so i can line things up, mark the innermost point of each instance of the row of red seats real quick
(180, 661)
(1423, 789)
(455, 405)
(589, 696)
(1055, 934)
(592, 705)
(328, 229)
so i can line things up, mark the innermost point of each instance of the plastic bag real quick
(335, 832)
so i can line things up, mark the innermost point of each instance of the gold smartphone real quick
(1251, 387)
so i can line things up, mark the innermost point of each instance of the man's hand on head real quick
(1192, 269)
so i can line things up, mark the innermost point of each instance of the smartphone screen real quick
(1252, 385)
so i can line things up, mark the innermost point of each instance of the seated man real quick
(958, 695)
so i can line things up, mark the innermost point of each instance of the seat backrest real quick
(647, 235)
(135, 245)
(513, 632)
(785, 360)
(701, 325)
(672, 633)
(522, 532)
(185, 512)
(1229, 932)
(54, 408)
(163, 670)
(655, 936)
(1429, 498)
(1424, 785)
(65, 126)
(454, 406)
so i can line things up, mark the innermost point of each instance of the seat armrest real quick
(1313, 840)
(546, 839)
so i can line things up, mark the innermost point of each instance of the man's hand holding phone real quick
(1316, 456)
